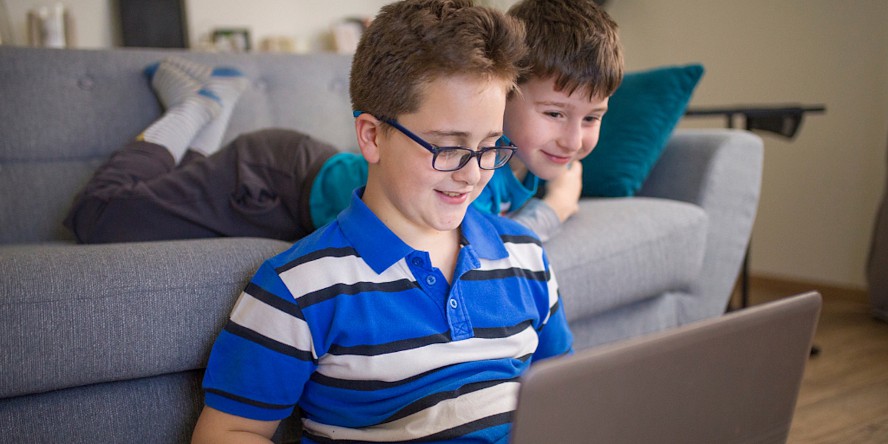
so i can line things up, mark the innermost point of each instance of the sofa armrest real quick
(720, 170)
(84, 314)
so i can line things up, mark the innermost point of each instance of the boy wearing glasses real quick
(412, 314)
(175, 182)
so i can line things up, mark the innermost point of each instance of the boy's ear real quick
(368, 130)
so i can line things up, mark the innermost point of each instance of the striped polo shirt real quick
(373, 344)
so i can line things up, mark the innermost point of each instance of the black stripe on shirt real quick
(250, 335)
(520, 239)
(315, 255)
(489, 275)
(552, 311)
(367, 385)
(433, 399)
(270, 299)
(416, 343)
(332, 291)
(248, 401)
(501, 332)
(390, 347)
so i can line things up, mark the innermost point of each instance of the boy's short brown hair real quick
(414, 42)
(574, 41)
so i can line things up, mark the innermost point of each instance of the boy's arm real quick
(258, 365)
(563, 192)
(539, 217)
(214, 426)
(545, 216)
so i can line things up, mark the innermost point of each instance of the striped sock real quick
(182, 122)
(227, 84)
(197, 71)
(172, 85)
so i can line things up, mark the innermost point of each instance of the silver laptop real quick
(731, 379)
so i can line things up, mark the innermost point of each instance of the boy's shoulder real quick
(320, 242)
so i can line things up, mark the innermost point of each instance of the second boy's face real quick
(551, 128)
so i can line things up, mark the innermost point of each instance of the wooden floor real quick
(844, 393)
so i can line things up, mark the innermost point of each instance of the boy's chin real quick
(550, 172)
(448, 226)
(450, 221)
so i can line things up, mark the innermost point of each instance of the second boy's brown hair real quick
(574, 41)
(414, 42)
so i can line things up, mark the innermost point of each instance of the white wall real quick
(820, 191)
(306, 21)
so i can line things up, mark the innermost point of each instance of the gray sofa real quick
(106, 343)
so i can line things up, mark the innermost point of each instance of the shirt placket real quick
(432, 281)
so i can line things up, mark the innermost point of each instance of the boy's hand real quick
(563, 192)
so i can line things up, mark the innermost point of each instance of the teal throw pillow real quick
(641, 116)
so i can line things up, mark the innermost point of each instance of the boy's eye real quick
(554, 114)
(592, 118)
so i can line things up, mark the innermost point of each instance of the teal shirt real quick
(341, 174)
(505, 193)
(332, 188)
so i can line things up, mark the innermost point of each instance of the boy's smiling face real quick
(551, 128)
(403, 189)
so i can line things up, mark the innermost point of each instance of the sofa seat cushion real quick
(634, 248)
(75, 315)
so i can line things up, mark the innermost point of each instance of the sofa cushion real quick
(641, 116)
(89, 314)
(634, 249)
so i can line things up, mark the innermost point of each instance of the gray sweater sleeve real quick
(539, 217)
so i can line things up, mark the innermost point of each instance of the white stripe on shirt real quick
(445, 415)
(400, 365)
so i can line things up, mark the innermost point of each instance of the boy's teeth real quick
(451, 194)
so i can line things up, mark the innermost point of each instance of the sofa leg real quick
(744, 280)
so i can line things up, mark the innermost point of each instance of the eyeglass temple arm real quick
(406, 132)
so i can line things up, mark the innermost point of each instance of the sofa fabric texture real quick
(107, 343)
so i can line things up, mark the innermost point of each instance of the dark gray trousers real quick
(257, 186)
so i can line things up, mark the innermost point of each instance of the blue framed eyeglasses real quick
(452, 158)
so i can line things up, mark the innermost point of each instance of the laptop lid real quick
(731, 379)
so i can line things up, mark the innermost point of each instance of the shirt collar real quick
(383, 248)
(531, 183)
(479, 233)
(373, 241)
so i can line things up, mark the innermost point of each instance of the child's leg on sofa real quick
(198, 101)
(256, 186)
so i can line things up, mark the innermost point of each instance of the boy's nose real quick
(470, 173)
(571, 138)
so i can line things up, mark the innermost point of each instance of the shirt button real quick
(431, 280)
(417, 261)
(453, 303)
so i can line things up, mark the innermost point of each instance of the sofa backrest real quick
(63, 112)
